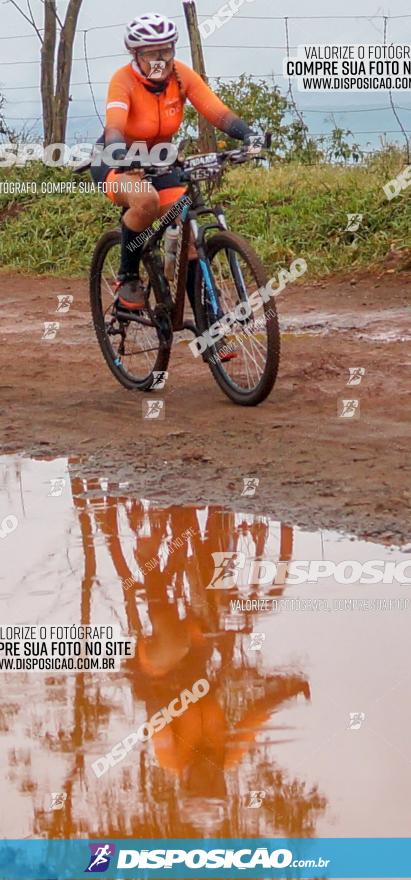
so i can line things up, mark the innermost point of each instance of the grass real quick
(286, 212)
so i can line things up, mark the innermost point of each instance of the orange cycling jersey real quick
(142, 115)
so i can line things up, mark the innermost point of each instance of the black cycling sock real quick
(131, 247)
(191, 277)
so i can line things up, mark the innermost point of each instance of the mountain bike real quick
(137, 346)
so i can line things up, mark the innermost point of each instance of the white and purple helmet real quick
(152, 29)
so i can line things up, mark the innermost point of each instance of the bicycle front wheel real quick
(245, 361)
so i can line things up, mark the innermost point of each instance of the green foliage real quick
(297, 211)
(51, 233)
(336, 146)
(300, 147)
(287, 211)
(263, 107)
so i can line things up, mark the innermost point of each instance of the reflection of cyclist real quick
(200, 745)
(146, 103)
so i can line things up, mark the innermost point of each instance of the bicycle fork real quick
(213, 294)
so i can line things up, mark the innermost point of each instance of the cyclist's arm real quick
(210, 106)
(117, 110)
(246, 730)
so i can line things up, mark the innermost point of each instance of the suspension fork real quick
(233, 260)
(204, 263)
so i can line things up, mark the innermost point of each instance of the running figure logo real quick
(51, 329)
(101, 855)
(56, 488)
(58, 799)
(65, 301)
(348, 409)
(156, 69)
(356, 720)
(250, 486)
(159, 380)
(257, 640)
(256, 799)
(227, 567)
(353, 222)
(153, 409)
(356, 375)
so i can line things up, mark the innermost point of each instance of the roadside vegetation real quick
(295, 206)
(287, 211)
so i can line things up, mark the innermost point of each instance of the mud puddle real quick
(304, 730)
(388, 325)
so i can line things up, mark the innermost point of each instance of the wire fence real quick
(380, 23)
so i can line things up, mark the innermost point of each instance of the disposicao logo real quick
(101, 854)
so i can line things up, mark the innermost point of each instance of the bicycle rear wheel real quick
(252, 342)
(135, 350)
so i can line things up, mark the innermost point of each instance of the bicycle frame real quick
(189, 219)
(216, 281)
(169, 310)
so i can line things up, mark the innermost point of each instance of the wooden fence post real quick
(207, 138)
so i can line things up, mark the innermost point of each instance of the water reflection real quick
(214, 771)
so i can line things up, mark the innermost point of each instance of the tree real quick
(260, 104)
(4, 128)
(263, 107)
(55, 71)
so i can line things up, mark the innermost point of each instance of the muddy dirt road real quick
(315, 469)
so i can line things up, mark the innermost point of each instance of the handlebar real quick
(237, 156)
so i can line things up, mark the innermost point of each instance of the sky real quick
(252, 42)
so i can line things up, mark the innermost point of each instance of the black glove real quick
(118, 153)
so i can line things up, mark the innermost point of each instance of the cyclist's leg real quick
(141, 206)
(138, 196)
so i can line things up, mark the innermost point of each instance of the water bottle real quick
(170, 249)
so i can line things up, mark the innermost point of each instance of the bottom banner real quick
(217, 858)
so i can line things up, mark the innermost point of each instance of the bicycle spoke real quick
(113, 273)
(248, 338)
(248, 354)
(109, 288)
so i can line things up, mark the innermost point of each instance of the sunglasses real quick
(157, 54)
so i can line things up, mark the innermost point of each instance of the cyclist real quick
(146, 103)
